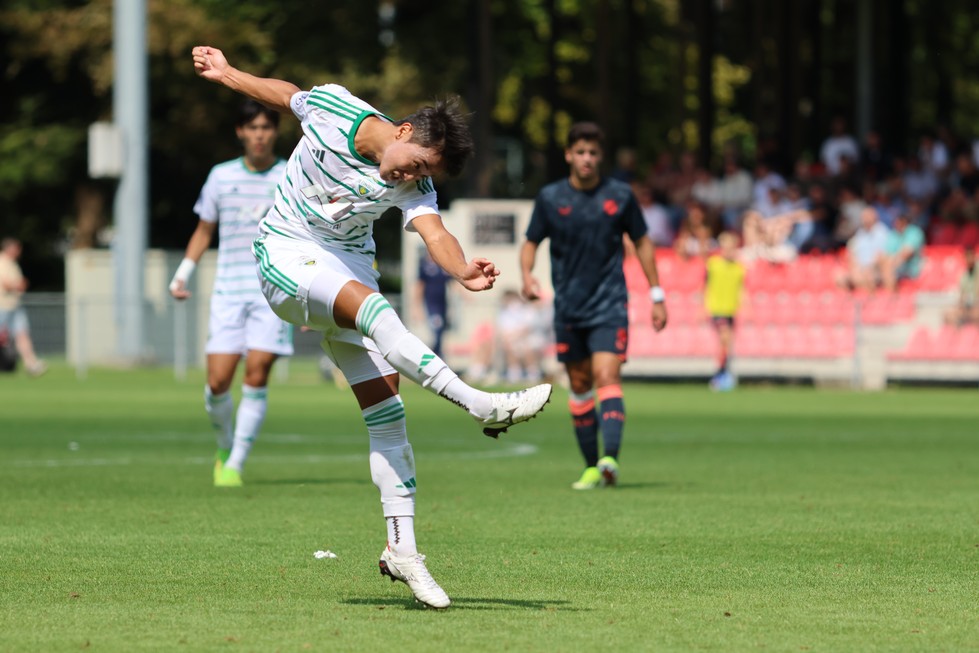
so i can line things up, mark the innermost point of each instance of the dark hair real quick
(586, 131)
(250, 109)
(444, 128)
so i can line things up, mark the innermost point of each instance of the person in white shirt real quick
(837, 146)
(315, 254)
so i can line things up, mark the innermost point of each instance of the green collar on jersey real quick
(353, 132)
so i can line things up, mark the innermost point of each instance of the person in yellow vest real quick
(722, 298)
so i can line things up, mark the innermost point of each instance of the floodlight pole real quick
(130, 101)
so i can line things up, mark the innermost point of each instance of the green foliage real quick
(774, 519)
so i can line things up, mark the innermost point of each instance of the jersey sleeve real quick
(537, 228)
(206, 206)
(633, 222)
(298, 104)
(423, 200)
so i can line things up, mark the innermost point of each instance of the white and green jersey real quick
(237, 199)
(331, 195)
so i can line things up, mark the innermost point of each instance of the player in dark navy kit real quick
(430, 291)
(586, 216)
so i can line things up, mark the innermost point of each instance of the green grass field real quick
(772, 519)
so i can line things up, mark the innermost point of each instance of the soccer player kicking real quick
(315, 256)
(236, 195)
(585, 216)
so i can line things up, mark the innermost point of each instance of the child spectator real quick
(722, 297)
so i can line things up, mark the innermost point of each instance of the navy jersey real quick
(586, 228)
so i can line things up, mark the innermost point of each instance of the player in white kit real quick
(235, 197)
(316, 255)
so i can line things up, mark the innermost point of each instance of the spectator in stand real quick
(849, 219)
(730, 195)
(681, 186)
(920, 182)
(875, 160)
(823, 216)
(722, 297)
(777, 235)
(657, 218)
(696, 235)
(902, 253)
(966, 174)
(966, 311)
(918, 213)
(889, 207)
(839, 144)
(933, 156)
(864, 253)
(765, 180)
(625, 165)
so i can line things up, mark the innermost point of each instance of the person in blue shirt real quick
(902, 253)
(586, 216)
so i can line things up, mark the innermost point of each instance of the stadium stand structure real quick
(795, 323)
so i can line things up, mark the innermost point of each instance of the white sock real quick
(401, 535)
(251, 415)
(220, 408)
(414, 359)
(393, 471)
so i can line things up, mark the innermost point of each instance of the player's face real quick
(258, 138)
(584, 157)
(404, 161)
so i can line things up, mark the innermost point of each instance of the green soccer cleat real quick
(220, 456)
(228, 478)
(589, 480)
(609, 469)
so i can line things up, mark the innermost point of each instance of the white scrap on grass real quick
(324, 554)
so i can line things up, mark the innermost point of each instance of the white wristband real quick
(657, 295)
(183, 273)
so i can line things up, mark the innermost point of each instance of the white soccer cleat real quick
(411, 571)
(511, 408)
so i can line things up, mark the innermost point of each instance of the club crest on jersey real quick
(366, 186)
(308, 261)
(564, 211)
(611, 207)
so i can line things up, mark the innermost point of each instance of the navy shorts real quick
(721, 320)
(579, 343)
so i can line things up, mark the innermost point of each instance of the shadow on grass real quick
(468, 603)
(642, 486)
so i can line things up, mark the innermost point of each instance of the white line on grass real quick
(509, 450)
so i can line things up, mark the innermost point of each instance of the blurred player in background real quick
(722, 297)
(236, 195)
(586, 216)
(431, 295)
(316, 254)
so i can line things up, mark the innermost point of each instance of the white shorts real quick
(237, 327)
(288, 268)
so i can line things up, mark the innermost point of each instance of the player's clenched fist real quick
(209, 62)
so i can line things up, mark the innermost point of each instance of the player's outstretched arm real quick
(477, 274)
(211, 64)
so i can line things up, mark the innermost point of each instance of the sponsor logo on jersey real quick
(564, 211)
